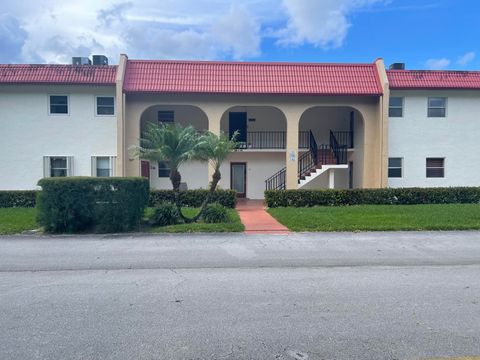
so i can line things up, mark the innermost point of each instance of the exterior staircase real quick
(312, 163)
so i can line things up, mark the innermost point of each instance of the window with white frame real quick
(395, 167)
(103, 166)
(57, 166)
(435, 167)
(395, 108)
(437, 107)
(166, 117)
(58, 104)
(105, 105)
(163, 169)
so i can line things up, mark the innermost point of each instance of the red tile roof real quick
(57, 74)
(250, 78)
(433, 79)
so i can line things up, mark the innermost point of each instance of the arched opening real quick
(194, 173)
(337, 138)
(261, 151)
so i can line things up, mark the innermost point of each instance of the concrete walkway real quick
(256, 220)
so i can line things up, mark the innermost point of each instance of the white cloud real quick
(466, 58)
(52, 31)
(437, 64)
(239, 32)
(321, 23)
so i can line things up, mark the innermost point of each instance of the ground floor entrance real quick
(238, 178)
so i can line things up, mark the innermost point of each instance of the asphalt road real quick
(300, 296)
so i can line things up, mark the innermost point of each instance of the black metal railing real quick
(344, 138)
(340, 151)
(304, 139)
(272, 140)
(277, 181)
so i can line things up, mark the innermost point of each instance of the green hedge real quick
(17, 198)
(193, 198)
(389, 196)
(76, 204)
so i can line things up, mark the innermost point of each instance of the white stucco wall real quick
(28, 132)
(194, 174)
(260, 166)
(414, 137)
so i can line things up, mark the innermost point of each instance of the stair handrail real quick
(277, 181)
(339, 151)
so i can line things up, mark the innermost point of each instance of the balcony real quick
(274, 140)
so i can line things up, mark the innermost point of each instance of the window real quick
(103, 166)
(437, 107)
(105, 105)
(395, 108)
(163, 169)
(58, 104)
(166, 116)
(435, 167)
(57, 166)
(395, 166)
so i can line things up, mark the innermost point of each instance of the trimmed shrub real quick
(17, 198)
(193, 198)
(75, 204)
(388, 196)
(165, 214)
(215, 213)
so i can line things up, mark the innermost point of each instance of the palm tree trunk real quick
(213, 185)
(176, 179)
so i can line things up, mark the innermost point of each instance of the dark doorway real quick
(238, 178)
(237, 121)
(145, 169)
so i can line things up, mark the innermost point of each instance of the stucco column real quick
(214, 116)
(291, 154)
(120, 113)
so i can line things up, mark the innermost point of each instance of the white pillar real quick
(331, 179)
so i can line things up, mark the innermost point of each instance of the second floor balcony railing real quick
(272, 140)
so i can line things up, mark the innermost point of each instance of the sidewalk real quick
(256, 220)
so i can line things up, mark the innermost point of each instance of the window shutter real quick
(69, 165)
(46, 166)
(94, 166)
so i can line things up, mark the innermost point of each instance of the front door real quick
(238, 178)
(145, 169)
(238, 122)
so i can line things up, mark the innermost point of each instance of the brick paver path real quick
(256, 220)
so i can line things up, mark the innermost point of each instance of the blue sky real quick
(434, 34)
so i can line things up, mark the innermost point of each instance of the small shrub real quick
(215, 213)
(17, 198)
(193, 198)
(165, 214)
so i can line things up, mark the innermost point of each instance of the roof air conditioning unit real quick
(397, 66)
(100, 60)
(77, 60)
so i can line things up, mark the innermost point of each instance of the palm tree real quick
(173, 144)
(214, 149)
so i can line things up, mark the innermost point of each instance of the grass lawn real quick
(380, 217)
(16, 220)
(233, 226)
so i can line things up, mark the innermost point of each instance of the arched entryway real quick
(261, 151)
(336, 140)
(194, 173)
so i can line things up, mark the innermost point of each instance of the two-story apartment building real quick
(300, 125)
